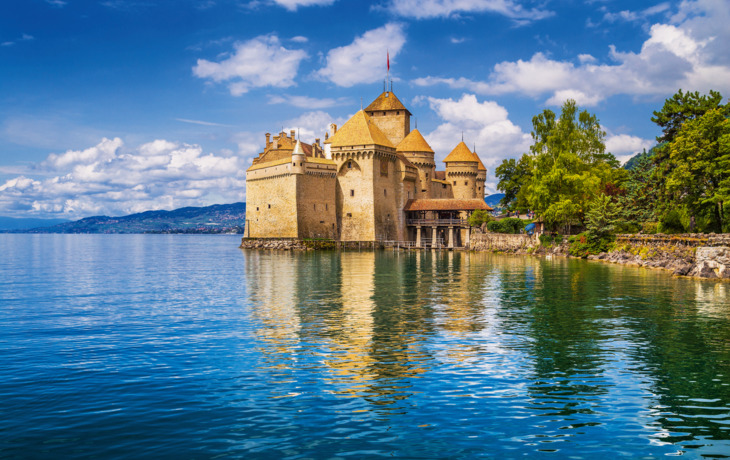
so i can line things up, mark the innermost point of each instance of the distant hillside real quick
(632, 161)
(12, 223)
(219, 218)
(493, 200)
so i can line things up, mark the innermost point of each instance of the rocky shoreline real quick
(701, 262)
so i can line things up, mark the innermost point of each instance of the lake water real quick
(184, 346)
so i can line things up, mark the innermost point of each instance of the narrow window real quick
(349, 164)
(466, 182)
(269, 206)
(385, 192)
(315, 206)
(454, 182)
(326, 206)
(352, 193)
(257, 208)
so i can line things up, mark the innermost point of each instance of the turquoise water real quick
(160, 346)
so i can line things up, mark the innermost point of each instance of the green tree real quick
(683, 107)
(638, 203)
(699, 168)
(570, 165)
(479, 217)
(513, 177)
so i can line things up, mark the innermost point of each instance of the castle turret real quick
(415, 148)
(390, 116)
(462, 168)
(297, 159)
(481, 176)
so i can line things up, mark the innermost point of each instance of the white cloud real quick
(424, 9)
(256, 63)
(485, 125)
(364, 60)
(299, 39)
(110, 178)
(306, 102)
(292, 5)
(624, 146)
(312, 125)
(691, 54)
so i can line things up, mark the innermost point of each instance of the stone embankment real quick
(696, 255)
(514, 244)
(271, 243)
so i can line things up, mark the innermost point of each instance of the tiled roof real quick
(359, 130)
(322, 161)
(414, 142)
(481, 166)
(267, 164)
(386, 101)
(446, 204)
(461, 153)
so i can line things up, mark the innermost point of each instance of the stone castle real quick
(372, 180)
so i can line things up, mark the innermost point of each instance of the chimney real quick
(316, 141)
(268, 139)
(293, 134)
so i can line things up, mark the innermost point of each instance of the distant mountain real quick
(12, 223)
(219, 218)
(632, 161)
(493, 199)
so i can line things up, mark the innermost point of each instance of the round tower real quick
(415, 148)
(297, 159)
(462, 169)
(481, 176)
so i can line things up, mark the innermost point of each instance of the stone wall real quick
(502, 242)
(697, 255)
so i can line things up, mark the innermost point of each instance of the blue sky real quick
(119, 106)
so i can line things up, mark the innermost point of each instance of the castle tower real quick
(481, 176)
(415, 148)
(390, 116)
(462, 168)
(366, 195)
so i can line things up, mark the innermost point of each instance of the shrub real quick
(650, 228)
(585, 244)
(508, 225)
(478, 217)
(671, 223)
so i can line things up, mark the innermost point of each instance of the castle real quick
(372, 180)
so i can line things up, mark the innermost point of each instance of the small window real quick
(466, 182)
(315, 206)
(349, 164)
(397, 113)
(269, 206)
(426, 176)
(352, 193)
(326, 206)
(454, 182)
(385, 192)
(383, 113)
(321, 221)
(257, 208)
(349, 214)
(423, 191)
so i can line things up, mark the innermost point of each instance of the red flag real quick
(388, 61)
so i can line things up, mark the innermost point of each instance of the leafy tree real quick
(479, 217)
(601, 217)
(513, 177)
(570, 164)
(699, 168)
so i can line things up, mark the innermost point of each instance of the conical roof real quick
(298, 150)
(481, 166)
(359, 130)
(414, 142)
(461, 153)
(386, 101)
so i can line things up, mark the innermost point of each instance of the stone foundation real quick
(696, 255)
(292, 244)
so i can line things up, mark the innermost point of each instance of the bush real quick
(650, 228)
(548, 240)
(585, 244)
(478, 217)
(671, 223)
(508, 225)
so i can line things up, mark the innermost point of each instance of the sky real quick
(109, 107)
